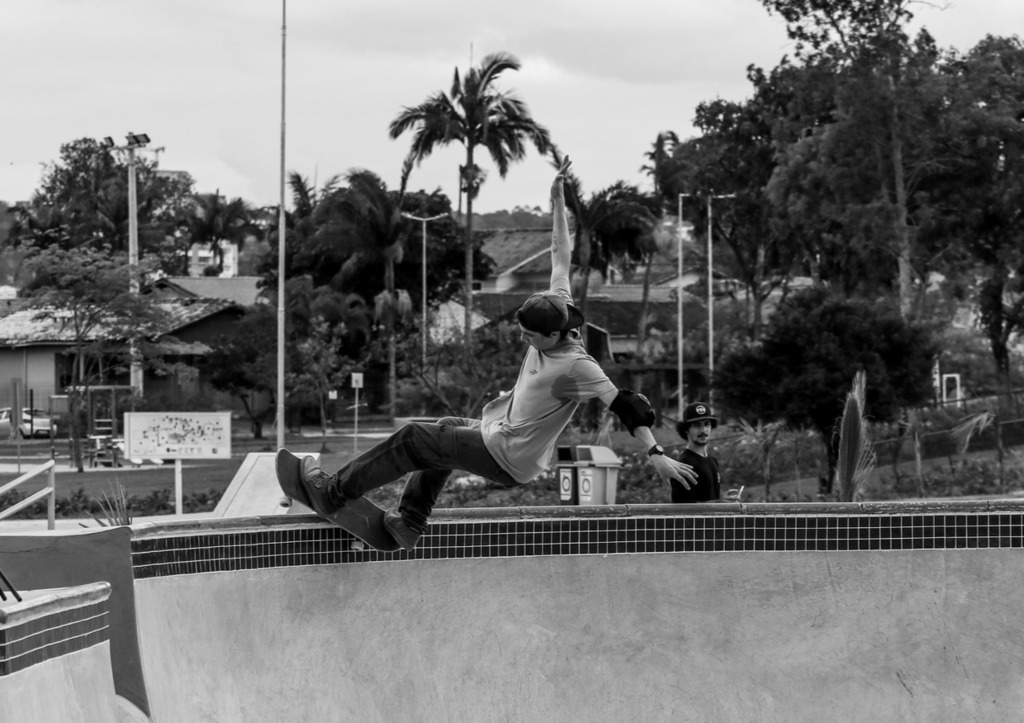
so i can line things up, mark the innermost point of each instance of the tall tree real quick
(866, 41)
(735, 156)
(659, 166)
(476, 114)
(86, 293)
(976, 219)
(812, 348)
(220, 221)
(610, 222)
(365, 219)
(83, 199)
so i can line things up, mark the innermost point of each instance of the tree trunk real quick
(903, 240)
(467, 337)
(584, 271)
(641, 332)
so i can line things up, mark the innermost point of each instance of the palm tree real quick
(221, 221)
(611, 222)
(473, 113)
(659, 166)
(366, 219)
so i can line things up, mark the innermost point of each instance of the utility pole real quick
(424, 221)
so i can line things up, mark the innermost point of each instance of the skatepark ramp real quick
(853, 612)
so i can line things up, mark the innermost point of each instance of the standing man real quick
(695, 427)
(514, 440)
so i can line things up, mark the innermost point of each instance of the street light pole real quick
(711, 298)
(280, 417)
(679, 308)
(135, 141)
(424, 222)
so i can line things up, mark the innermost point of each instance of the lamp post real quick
(134, 142)
(679, 307)
(424, 222)
(711, 298)
(280, 416)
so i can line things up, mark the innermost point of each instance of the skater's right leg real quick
(416, 446)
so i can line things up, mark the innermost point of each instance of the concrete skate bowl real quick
(860, 612)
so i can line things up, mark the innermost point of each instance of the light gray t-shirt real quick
(520, 428)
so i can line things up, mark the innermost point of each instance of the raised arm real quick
(635, 412)
(561, 242)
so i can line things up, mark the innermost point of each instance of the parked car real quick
(34, 423)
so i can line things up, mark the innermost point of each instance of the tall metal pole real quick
(423, 301)
(711, 310)
(281, 248)
(133, 222)
(679, 314)
(711, 300)
(135, 368)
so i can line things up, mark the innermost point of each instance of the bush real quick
(79, 505)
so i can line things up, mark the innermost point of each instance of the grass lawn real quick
(196, 476)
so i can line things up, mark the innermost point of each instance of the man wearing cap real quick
(695, 427)
(513, 441)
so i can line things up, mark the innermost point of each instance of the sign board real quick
(357, 380)
(586, 485)
(565, 483)
(177, 435)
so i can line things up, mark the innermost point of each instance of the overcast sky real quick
(203, 79)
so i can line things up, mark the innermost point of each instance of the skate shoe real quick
(404, 535)
(316, 484)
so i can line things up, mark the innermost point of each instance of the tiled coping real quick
(215, 545)
(47, 624)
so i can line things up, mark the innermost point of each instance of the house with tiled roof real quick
(521, 260)
(241, 290)
(36, 347)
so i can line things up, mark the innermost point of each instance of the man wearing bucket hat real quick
(695, 427)
(515, 439)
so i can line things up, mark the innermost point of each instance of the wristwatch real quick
(656, 449)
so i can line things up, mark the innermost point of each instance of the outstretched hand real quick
(669, 469)
(557, 191)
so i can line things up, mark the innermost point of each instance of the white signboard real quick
(177, 435)
(357, 380)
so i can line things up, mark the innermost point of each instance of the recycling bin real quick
(587, 474)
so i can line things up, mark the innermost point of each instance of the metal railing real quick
(49, 491)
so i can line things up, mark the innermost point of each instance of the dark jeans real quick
(430, 451)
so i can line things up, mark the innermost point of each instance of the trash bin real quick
(587, 475)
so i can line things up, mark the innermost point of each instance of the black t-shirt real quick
(709, 482)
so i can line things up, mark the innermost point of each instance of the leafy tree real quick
(244, 364)
(613, 222)
(220, 221)
(659, 165)
(476, 114)
(975, 195)
(811, 350)
(83, 199)
(85, 291)
(735, 156)
(366, 222)
(323, 368)
(451, 386)
(884, 76)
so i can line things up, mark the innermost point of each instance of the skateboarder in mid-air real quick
(514, 440)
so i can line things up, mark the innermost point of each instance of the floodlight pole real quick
(281, 250)
(711, 299)
(679, 307)
(135, 140)
(424, 221)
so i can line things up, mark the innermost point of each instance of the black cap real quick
(547, 312)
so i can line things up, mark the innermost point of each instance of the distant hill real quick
(520, 217)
